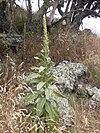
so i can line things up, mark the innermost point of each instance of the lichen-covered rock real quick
(68, 79)
(72, 79)
(69, 75)
(94, 94)
(66, 111)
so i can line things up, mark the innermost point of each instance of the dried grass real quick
(87, 118)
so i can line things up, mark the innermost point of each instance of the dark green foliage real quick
(19, 22)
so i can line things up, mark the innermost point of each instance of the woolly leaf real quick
(58, 94)
(29, 99)
(53, 113)
(32, 76)
(40, 85)
(41, 68)
(40, 104)
(48, 93)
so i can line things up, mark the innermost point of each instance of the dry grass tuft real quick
(12, 88)
(87, 119)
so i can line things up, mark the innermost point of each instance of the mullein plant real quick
(40, 100)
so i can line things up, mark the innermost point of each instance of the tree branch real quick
(90, 12)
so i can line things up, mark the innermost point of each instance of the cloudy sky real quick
(90, 23)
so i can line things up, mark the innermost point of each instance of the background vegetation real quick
(66, 42)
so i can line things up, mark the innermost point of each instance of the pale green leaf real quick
(41, 68)
(40, 85)
(32, 76)
(34, 68)
(29, 99)
(33, 81)
(49, 109)
(40, 105)
(59, 94)
(48, 93)
(42, 51)
(48, 59)
(37, 58)
(53, 113)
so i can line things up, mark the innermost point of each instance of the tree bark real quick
(37, 20)
(29, 15)
(3, 18)
(55, 4)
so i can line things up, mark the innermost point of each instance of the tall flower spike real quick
(45, 40)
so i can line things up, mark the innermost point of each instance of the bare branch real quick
(90, 12)
(55, 4)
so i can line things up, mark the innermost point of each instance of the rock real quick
(71, 79)
(69, 75)
(94, 93)
(96, 97)
(66, 111)
(68, 79)
(91, 91)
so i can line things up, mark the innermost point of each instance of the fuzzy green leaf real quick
(33, 81)
(34, 68)
(29, 99)
(53, 113)
(40, 85)
(48, 93)
(40, 104)
(58, 94)
(41, 68)
(37, 58)
(32, 76)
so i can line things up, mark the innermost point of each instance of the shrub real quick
(19, 22)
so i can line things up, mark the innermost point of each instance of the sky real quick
(93, 24)
(89, 23)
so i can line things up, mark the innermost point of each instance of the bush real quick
(19, 22)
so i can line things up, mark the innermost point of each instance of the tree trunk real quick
(55, 4)
(38, 17)
(29, 15)
(3, 19)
